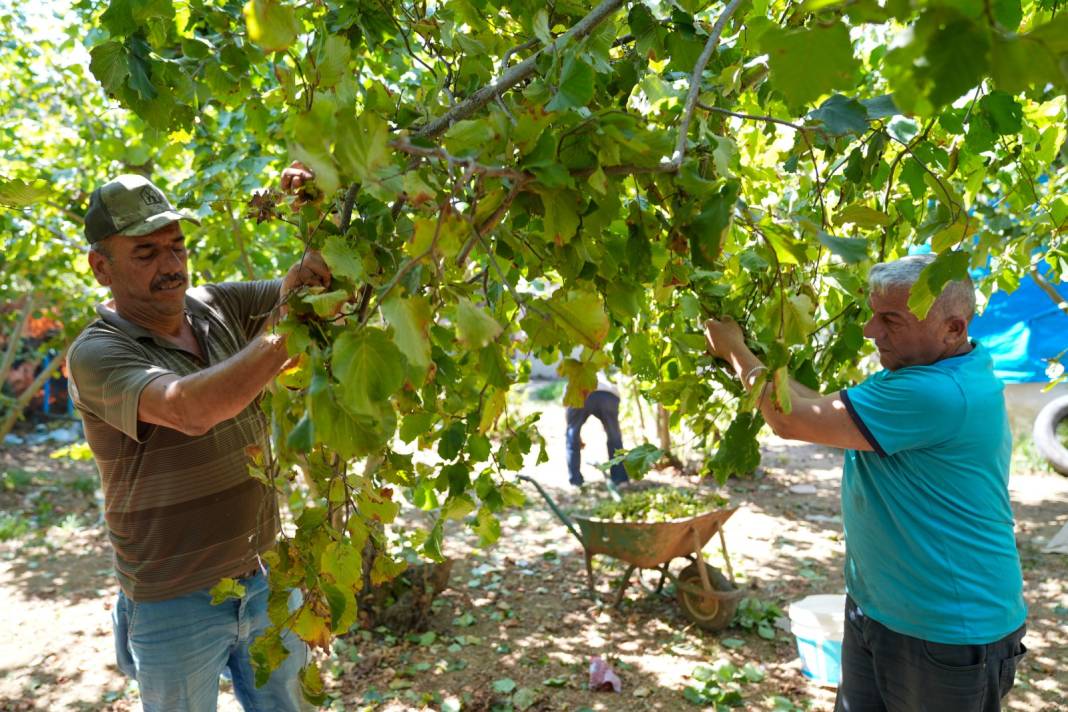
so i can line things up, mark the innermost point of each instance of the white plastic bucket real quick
(817, 623)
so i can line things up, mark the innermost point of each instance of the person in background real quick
(603, 404)
(935, 614)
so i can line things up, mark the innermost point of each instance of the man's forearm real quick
(204, 399)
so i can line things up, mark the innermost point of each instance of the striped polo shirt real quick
(182, 511)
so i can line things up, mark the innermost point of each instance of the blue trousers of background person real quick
(605, 407)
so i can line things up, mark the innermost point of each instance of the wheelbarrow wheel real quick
(709, 611)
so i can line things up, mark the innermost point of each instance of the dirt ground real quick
(517, 629)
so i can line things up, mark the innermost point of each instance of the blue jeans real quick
(884, 671)
(605, 407)
(176, 650)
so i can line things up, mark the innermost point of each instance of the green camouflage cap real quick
(129, 205)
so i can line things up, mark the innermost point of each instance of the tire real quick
(711, 612)
(1045, 434)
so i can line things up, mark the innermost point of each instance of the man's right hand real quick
(293, 179)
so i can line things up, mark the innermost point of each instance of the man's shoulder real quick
(97, 335)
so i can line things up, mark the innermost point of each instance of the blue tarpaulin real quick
(1023, 330)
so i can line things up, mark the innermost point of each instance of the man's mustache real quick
(167, 281)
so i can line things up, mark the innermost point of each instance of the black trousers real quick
(884, 671)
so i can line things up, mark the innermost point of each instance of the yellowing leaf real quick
(861, 216)
(797, 318)
(312, 629)
(226, 589)
(410, 319)
(270, 24)
(582, 316)
(475, 327)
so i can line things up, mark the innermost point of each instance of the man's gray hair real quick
(957, 299)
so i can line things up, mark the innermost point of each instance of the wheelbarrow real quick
(706, 596)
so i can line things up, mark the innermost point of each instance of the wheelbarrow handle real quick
(552, 505)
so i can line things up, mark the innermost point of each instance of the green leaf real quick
(641, 459)
(16, 193)
(1003, 112)
(342, 259)
(457, 507)
(504, 686)
(576, 85)
(805, 64)
(738, 452)
(487, 527)
(369, 369)
(524, 698)
(841, 115)
(362, 147)
(226, 589)
(561, 218)
(468, 136)
(474, 326)
(711, 227)
(326, 304)
(948, 266)
(267, 652)
(862, 216)
(333, 61)
(850, 249)
(512, 495)
(581, 315)
(109, 64)
(270, 24)
(311, 684)
(301, 437)
(1008, 13)
(880, 107)
(957, 58)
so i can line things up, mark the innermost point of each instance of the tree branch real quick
(521, 71)
(1046, 287)
(491, 222)
(695, 80)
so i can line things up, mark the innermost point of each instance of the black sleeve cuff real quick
(860, 424)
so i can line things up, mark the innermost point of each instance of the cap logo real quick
(150, 196)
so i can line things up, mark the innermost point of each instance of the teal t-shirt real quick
(930, 546)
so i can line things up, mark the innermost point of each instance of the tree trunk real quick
(15, 338)
(24, 398)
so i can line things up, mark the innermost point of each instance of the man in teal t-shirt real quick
(935, 611)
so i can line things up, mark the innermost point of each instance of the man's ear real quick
(956, 329)
(101, 267)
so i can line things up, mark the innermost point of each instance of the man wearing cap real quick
(167, 382)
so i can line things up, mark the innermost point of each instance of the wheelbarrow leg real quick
(726, 557)
(701, 561)
(623, 586)
(589, 574)
(663, 576)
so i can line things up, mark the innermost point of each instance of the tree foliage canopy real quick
(499, 178)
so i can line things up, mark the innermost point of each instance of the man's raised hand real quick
(724, 337)
(294, 179)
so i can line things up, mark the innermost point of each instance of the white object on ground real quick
(1059, 543)
(803, 489)
(817, 623)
